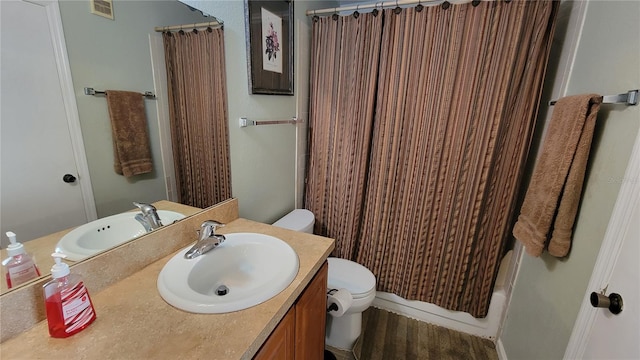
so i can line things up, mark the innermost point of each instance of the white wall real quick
(549, 291)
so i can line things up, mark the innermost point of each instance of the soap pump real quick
(20, 266)
(68, 305)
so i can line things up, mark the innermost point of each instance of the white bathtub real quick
(487, 327)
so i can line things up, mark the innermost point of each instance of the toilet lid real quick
(351, 276)
(297, 220)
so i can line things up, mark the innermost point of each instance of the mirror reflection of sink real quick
(245, 270)
(91, 238)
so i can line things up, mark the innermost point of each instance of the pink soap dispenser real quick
(20, 266)
(68, 305)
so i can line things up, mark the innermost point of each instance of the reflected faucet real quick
(208, 239)
(148, 216)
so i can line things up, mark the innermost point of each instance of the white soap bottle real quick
(19, 266)
(68, 305)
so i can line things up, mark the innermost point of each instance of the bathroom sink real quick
(245, 270)
(96, 236)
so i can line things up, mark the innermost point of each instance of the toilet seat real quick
(357, 279)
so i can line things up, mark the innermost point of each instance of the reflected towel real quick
(131, 150)
(554, 192)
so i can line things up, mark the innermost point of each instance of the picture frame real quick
(269, 29)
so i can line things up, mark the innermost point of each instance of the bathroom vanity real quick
(300, 334)
(133, 321)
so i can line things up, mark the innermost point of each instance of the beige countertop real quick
(41, 248)
(134, 322)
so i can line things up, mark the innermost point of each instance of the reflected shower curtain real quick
(457, 93)
(198, 110)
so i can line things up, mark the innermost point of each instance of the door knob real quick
(68, 178)
(613, 302)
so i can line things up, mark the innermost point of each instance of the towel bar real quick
(630, 98)
(92, 91)
(244, 122)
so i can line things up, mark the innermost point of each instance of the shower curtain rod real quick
(212, 24)
(381, 5)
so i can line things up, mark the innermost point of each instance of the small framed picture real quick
(103, 8)
(269, 28)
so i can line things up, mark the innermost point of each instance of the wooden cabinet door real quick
(280, 344)
(311, 317)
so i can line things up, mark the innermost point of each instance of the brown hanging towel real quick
(131, 150)
(556, 184)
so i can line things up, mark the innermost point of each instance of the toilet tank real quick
(298, 220)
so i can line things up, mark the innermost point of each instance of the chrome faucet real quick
(208, 239)
(148, 216)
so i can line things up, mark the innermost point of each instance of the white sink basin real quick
(253, 267)
(89, 239)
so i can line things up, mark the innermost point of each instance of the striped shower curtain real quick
(427, 200)
(199, 119)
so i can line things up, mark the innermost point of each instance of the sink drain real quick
(222, 290)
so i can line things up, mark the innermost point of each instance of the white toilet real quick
(342, 331)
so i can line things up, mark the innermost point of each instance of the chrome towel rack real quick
(244, 122)
(92, 91)
(629, 98)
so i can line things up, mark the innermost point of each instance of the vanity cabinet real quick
(280, 344)
(300, 334)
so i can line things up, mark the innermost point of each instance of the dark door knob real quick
(613, 302)
(68, 178)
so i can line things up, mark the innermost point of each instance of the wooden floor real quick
(388, 336)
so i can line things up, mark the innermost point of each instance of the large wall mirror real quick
(102, 53)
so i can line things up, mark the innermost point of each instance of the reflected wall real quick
(115, 54)
(267, 162)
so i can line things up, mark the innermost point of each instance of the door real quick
(39, 143)
(616, 336)
(598, 333)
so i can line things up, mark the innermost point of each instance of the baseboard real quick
(502, 354)
(455, 320)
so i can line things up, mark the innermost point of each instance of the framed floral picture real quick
(269, 28)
